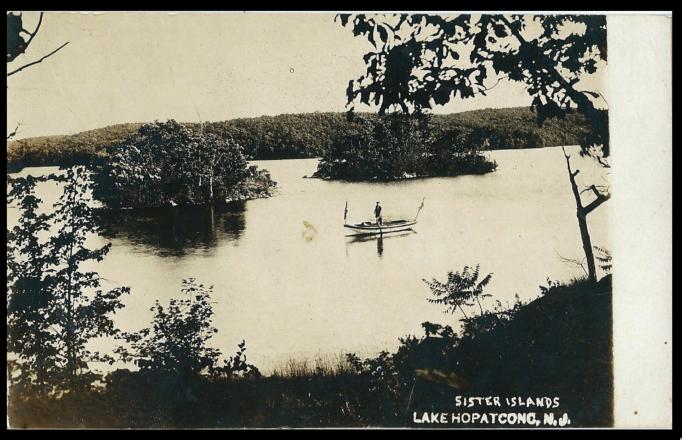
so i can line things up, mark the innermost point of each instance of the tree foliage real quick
(55, 305)
(83, 309)
(399, 146)
(29, 297)
(167, 163)
(388, 376)
(460, 289)
(420, 61)
(178, 340)
(19, 39)
(16, 43)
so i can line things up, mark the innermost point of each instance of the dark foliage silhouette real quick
(55, 305)
(460, 289)
(178, 341)
(29, 296)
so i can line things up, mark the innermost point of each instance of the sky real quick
(138, 67)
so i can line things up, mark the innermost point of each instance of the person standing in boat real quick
(377, 213)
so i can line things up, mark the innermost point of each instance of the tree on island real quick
(168, 164)
(397, 146)
(421, 61)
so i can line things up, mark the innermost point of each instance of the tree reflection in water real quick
(174, 231)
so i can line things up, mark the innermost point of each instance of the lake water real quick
(292, 285)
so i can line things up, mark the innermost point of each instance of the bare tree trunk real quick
(587, 247)
(479, 305)
(69, 336)
(581, 214)
(463, 313)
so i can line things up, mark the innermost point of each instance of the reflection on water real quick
(174, 231)
(379, 239)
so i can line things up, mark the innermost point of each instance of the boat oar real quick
(420, 208)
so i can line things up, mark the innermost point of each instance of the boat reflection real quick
(379, 238)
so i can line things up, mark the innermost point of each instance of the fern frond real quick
(475, 273)
(484, 282)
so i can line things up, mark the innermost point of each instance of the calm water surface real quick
(288, 282)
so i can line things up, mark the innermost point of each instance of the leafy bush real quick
(177, 342)
(457, 151)
(236, 366)
(376, 149)
(389, 377)
(544, 290)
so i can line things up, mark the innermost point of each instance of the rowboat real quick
(372, 228)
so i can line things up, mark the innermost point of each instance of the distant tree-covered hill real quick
(303, 135)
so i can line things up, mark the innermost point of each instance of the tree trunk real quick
(587, 246)
(463, 313)
(479, 301)
(581, 214)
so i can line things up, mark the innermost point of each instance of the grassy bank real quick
(558, 345)
(301, 135)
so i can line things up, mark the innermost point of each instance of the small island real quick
(400, 146)
(168, 164)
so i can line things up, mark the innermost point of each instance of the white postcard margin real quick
(639, 82)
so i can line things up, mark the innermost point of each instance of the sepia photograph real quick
(335, 219)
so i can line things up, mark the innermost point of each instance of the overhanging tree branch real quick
(584, 104)
(602, 161)
(35, 32)
(37, 61)
(601, 198)
(575, 261)
(14, 133)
